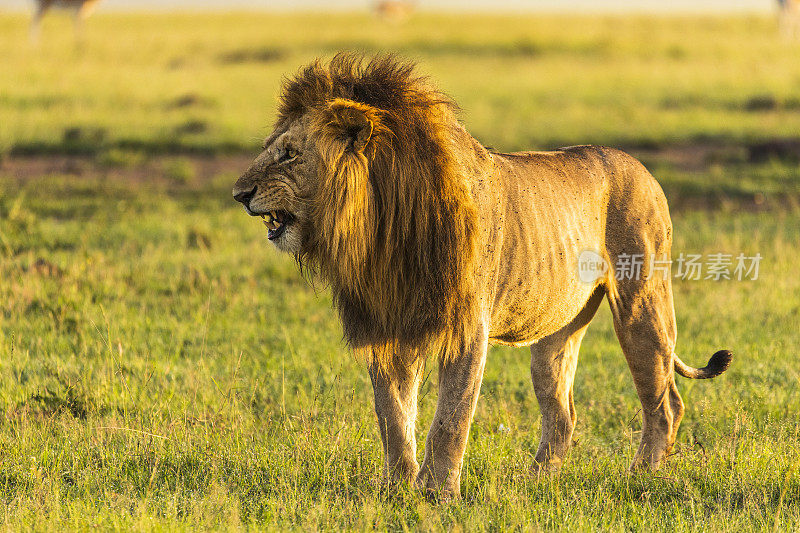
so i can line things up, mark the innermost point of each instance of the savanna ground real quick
(162, 368)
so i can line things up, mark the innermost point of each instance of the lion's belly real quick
(541, 293)
(523, 321)
(549, 221)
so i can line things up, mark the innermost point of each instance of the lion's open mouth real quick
(277, 222)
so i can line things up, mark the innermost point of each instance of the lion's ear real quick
(351, 123)
(346, 136)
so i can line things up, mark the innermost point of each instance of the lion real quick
(432, 244)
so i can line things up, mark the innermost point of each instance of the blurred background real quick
(159, 361)
(681, 83)
(457, 5)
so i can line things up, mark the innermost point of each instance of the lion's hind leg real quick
(553, 362)
(644, 320)
(637, 247)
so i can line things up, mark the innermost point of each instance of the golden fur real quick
(429, 241)
(392, 214)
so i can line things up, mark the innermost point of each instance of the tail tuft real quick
(718, 364)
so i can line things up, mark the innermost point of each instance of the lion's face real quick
(279, 184)
(370, 196)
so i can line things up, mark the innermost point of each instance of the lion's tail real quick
(718, 364)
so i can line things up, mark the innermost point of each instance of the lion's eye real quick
(287, 155)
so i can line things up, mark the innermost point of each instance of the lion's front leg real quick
(395, 391)
(459, 386)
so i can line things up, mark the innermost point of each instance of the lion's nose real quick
(245, 196)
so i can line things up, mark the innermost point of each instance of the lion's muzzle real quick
(244, 196)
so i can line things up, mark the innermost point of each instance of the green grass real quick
(209, 82)
(163, 368)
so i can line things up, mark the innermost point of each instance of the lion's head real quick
(360, 179)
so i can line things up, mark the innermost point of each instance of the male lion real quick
(431, 242)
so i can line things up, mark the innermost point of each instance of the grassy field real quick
(162, 368)
(208, 82)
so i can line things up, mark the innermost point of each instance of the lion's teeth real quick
(271, 220)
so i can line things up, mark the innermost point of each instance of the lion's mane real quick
(394, 222)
